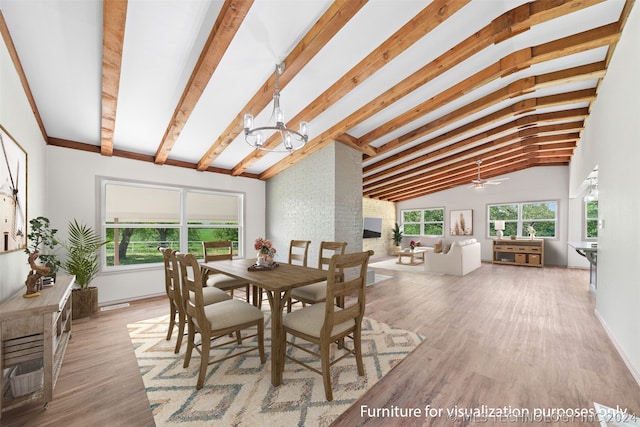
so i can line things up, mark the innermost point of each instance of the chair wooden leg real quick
(326, 373)
(263, 357)
(357, 346)
(238, 337)
(172, 319)
(190, 340)
(204, 359)
(181, 322)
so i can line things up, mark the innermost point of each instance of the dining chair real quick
(221, 250)
(317, 292)
(298, 252)
(174, 292)
(326, 323)
(215, 321)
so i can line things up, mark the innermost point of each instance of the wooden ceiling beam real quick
(114, 17)
(503, 27)
(526, 57)
(224, 29)
(465, 162)
(495, 166)
(456, 165)
(91, 148)
(446, 170)
(13, 54)
(508, 166)
(332, 21)
(420, 25)
(527, 122)
(518, 108)
(418, 164)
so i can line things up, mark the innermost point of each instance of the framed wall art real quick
(13, 194)
(461, 223)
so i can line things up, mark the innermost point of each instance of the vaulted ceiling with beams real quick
(424, 89)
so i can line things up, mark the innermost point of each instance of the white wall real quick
(610, 140)
(534, 184)
(18, 119)
(71, 183)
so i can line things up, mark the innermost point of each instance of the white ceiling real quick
(60, 45)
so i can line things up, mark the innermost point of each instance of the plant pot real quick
(84, 302)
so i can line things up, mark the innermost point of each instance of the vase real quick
(263, 259)
(84, 302)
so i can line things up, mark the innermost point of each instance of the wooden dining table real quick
(277, 283)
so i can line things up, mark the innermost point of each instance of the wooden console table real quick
(529, 252)
(36, 328)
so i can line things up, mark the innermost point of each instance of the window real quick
(591, 219)
(137, 218)
(542, 216)
(426, 222)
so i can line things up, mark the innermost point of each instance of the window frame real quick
(422, 221)
(182, 225)
(519, 221)
(586, 220)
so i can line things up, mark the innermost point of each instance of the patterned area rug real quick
(238, 391)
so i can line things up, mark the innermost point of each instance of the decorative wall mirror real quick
(13, 194)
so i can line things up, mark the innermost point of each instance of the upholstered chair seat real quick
(310, 321)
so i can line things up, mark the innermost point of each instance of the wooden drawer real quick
(521, 258)
(18, 350)
(534, 259)
(21, 326)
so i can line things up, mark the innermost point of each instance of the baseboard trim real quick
(634, 372)
(129, 300)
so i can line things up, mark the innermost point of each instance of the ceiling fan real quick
(480, 183)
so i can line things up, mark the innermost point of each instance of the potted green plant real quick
(396, 235)
(42, 241)
(83, 262)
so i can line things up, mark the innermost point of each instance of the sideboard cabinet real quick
(34, 330)
(529, 252)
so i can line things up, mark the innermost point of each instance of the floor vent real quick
(114, 306)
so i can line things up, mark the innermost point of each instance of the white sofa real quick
(461, 259)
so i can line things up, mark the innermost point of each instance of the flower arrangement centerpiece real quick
(266, 251)
(412, 245)
(532, 231)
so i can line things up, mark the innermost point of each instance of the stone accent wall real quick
(387, 211)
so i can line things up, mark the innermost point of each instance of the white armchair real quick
(462, 258)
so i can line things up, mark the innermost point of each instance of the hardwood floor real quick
(502, 336)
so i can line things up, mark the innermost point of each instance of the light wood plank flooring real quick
(500, 336)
